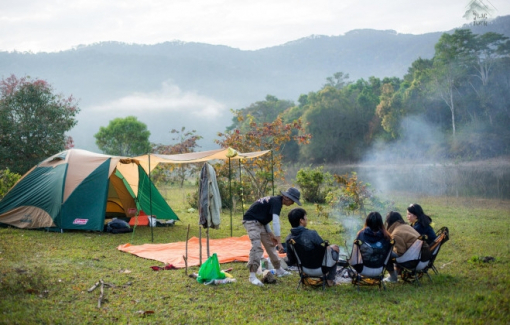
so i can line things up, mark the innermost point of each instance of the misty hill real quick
(175, 84)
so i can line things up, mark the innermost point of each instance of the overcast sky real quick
(53, 25)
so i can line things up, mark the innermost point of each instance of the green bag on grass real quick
(210, 270)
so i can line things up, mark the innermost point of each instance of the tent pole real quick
(200, 244)
(230, 191)
(186, 257)
(242, 189)
(272, 170)
(150, 200)
(207, 234)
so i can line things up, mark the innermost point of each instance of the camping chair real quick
(369, 264)
(443, 235)
(415, 261)
(311, 264)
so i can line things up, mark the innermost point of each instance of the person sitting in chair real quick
(421, 222)
(375, 235)
(309, 239)
(404, 236)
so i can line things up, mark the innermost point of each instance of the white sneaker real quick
(256, 282)
(282, 274)
(390, 279)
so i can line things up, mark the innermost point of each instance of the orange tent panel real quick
(141, 220)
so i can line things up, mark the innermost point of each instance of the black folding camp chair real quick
(367, 263)
(415, 261)
(310, 264)
(443, 235)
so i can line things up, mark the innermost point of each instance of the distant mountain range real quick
(175, 84)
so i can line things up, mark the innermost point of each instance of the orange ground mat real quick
(233, 249)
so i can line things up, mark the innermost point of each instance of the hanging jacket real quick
(209, 200)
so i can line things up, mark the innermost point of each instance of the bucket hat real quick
(293, 194)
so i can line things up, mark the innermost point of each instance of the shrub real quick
(315, 184)
(354, 194)
(192, 199)
(7, 180)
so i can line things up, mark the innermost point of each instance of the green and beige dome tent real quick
(77, 189)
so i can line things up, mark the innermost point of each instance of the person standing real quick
(256, 222)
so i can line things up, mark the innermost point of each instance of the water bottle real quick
(224, 281)
(263, 264)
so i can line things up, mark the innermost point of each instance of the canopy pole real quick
(242, 189)
(150, 200)
(207, 235)
(272, 170)
(200, 244)
(230, 191)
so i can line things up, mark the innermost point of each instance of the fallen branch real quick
(101, 295)
(446, 264)
(93, 287)
(100, 300)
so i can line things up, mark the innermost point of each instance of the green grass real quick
(44, 277)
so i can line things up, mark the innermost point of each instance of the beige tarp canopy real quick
(195, 157)
(149, 162)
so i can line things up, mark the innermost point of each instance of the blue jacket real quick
(308, 239)
(373, 238)
(375, 247)
(431, 235)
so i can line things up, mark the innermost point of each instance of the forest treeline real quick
(455, 105)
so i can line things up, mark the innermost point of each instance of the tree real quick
(33, 122)
(390, 110)
(336, 126)
(257, 137)
(261, 112)
(339, 80)
(451, 60)
(364, 96)
(7, 180)
(187, 142)
(487, 49)
(290, 152)
(415, 87)
(124, 137)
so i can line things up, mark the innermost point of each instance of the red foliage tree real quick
(258, 137)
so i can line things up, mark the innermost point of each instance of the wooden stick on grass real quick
(101, 295)
(93, 287)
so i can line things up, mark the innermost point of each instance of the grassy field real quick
(44, 277)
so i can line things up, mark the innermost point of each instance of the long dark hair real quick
(423, 219)
(393, 217)
(375, 223)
